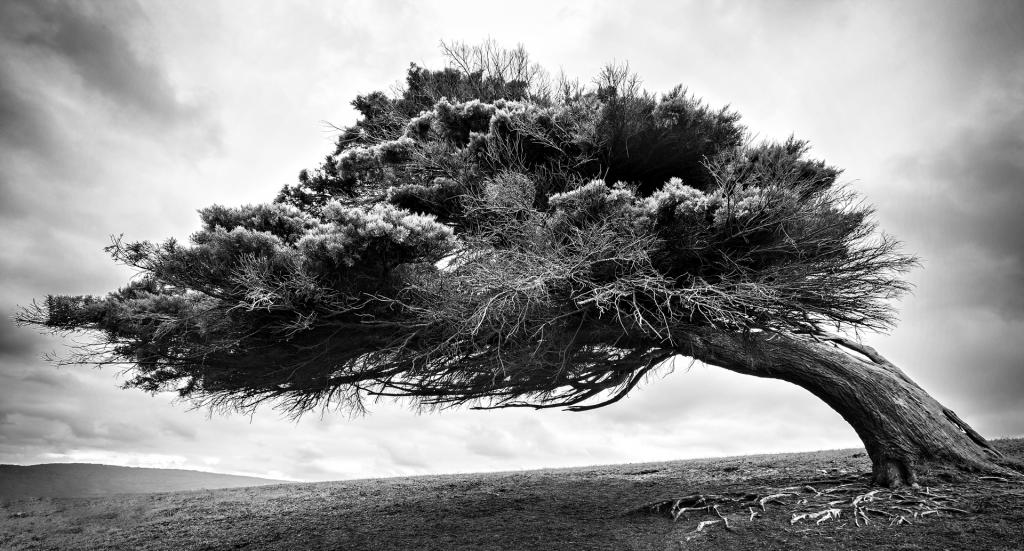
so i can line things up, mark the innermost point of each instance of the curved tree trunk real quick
(901, 425)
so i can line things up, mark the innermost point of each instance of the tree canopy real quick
(493, 236)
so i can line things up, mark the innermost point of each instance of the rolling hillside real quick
(88, 480)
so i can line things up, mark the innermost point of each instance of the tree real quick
(494, 237)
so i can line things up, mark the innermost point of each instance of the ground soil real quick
(605, 507)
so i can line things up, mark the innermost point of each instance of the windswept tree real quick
(492, 237)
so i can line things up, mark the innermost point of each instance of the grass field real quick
(586, 508)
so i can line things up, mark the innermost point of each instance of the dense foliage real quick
(490, 236)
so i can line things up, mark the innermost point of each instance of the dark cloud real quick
(970, 362)
(962, 204)
(17, 343)
(978, 38)
(92, 40)
(74, 77)
(22, 127)
(66, 424)
(1001, 383)
(984, 197)
(50, 423)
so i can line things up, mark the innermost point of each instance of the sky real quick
(121, 117)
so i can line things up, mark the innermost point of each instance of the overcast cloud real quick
(122, 117)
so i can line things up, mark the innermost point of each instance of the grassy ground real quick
(586, 508)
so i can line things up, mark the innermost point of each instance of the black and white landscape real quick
(301, 242)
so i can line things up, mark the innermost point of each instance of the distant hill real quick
(87, 479)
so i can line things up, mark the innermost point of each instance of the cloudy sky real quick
(121, 117)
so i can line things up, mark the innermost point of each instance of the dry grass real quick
(582, 508)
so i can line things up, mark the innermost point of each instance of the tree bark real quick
(902, 427)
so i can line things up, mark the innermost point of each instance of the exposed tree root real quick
(854, 499)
